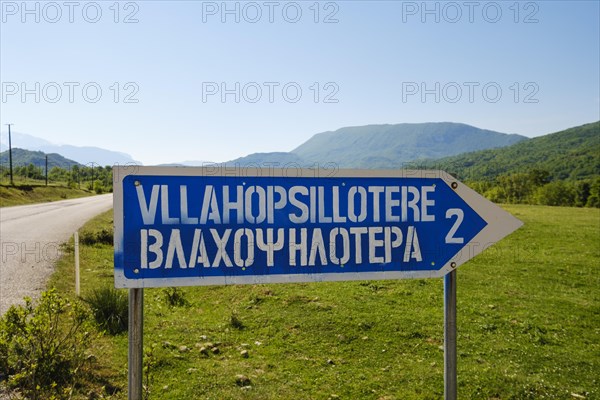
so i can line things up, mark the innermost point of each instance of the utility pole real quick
(10, 156)
(46, 169)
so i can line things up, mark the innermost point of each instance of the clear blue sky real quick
(375, 61)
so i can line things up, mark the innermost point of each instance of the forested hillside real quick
(561, 168)
(572, 154)
(22, 157)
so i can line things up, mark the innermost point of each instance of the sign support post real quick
(136, 343)
(450, 381)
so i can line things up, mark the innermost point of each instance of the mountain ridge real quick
(387, 145)
(23, 157)
(84, 155)
(570, 154)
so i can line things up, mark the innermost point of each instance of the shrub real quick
(175, 297)
(103, 236)
(557, 193)
(98, 188)
(43, 347)
(594, 197)
(110, 308)
(236, 322)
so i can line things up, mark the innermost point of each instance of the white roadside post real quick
(76, 251)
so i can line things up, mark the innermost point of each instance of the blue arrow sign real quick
(196, 226)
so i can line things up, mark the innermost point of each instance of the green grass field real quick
(37, 193)
(528, 326)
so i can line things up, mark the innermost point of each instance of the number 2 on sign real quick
(450, 238)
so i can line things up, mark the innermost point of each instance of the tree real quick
(557, 193)
(517, 187)
(582, 193)
(539, 177)
(593, 199)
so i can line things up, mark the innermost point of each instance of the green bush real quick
(110, 308)
(594, 198)
(236, 322)
(98, 188)
(535, 188)
(103, 236)
(557, 193)
(175, 297)
(43, 347)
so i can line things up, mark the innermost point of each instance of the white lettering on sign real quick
(255, 204)
(306, 246)
(303, 246)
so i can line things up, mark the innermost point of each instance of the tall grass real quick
(110, 309)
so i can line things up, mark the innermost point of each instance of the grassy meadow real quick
(528, 327)
(24, 193)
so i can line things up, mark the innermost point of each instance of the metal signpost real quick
(222, 225)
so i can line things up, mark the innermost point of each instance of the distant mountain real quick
(570, 154)
(277, 159)
(388, 146)
(83, 155)
(87, 155)
(23, 157)
(191, 163)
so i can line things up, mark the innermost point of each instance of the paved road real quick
(30, 238)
